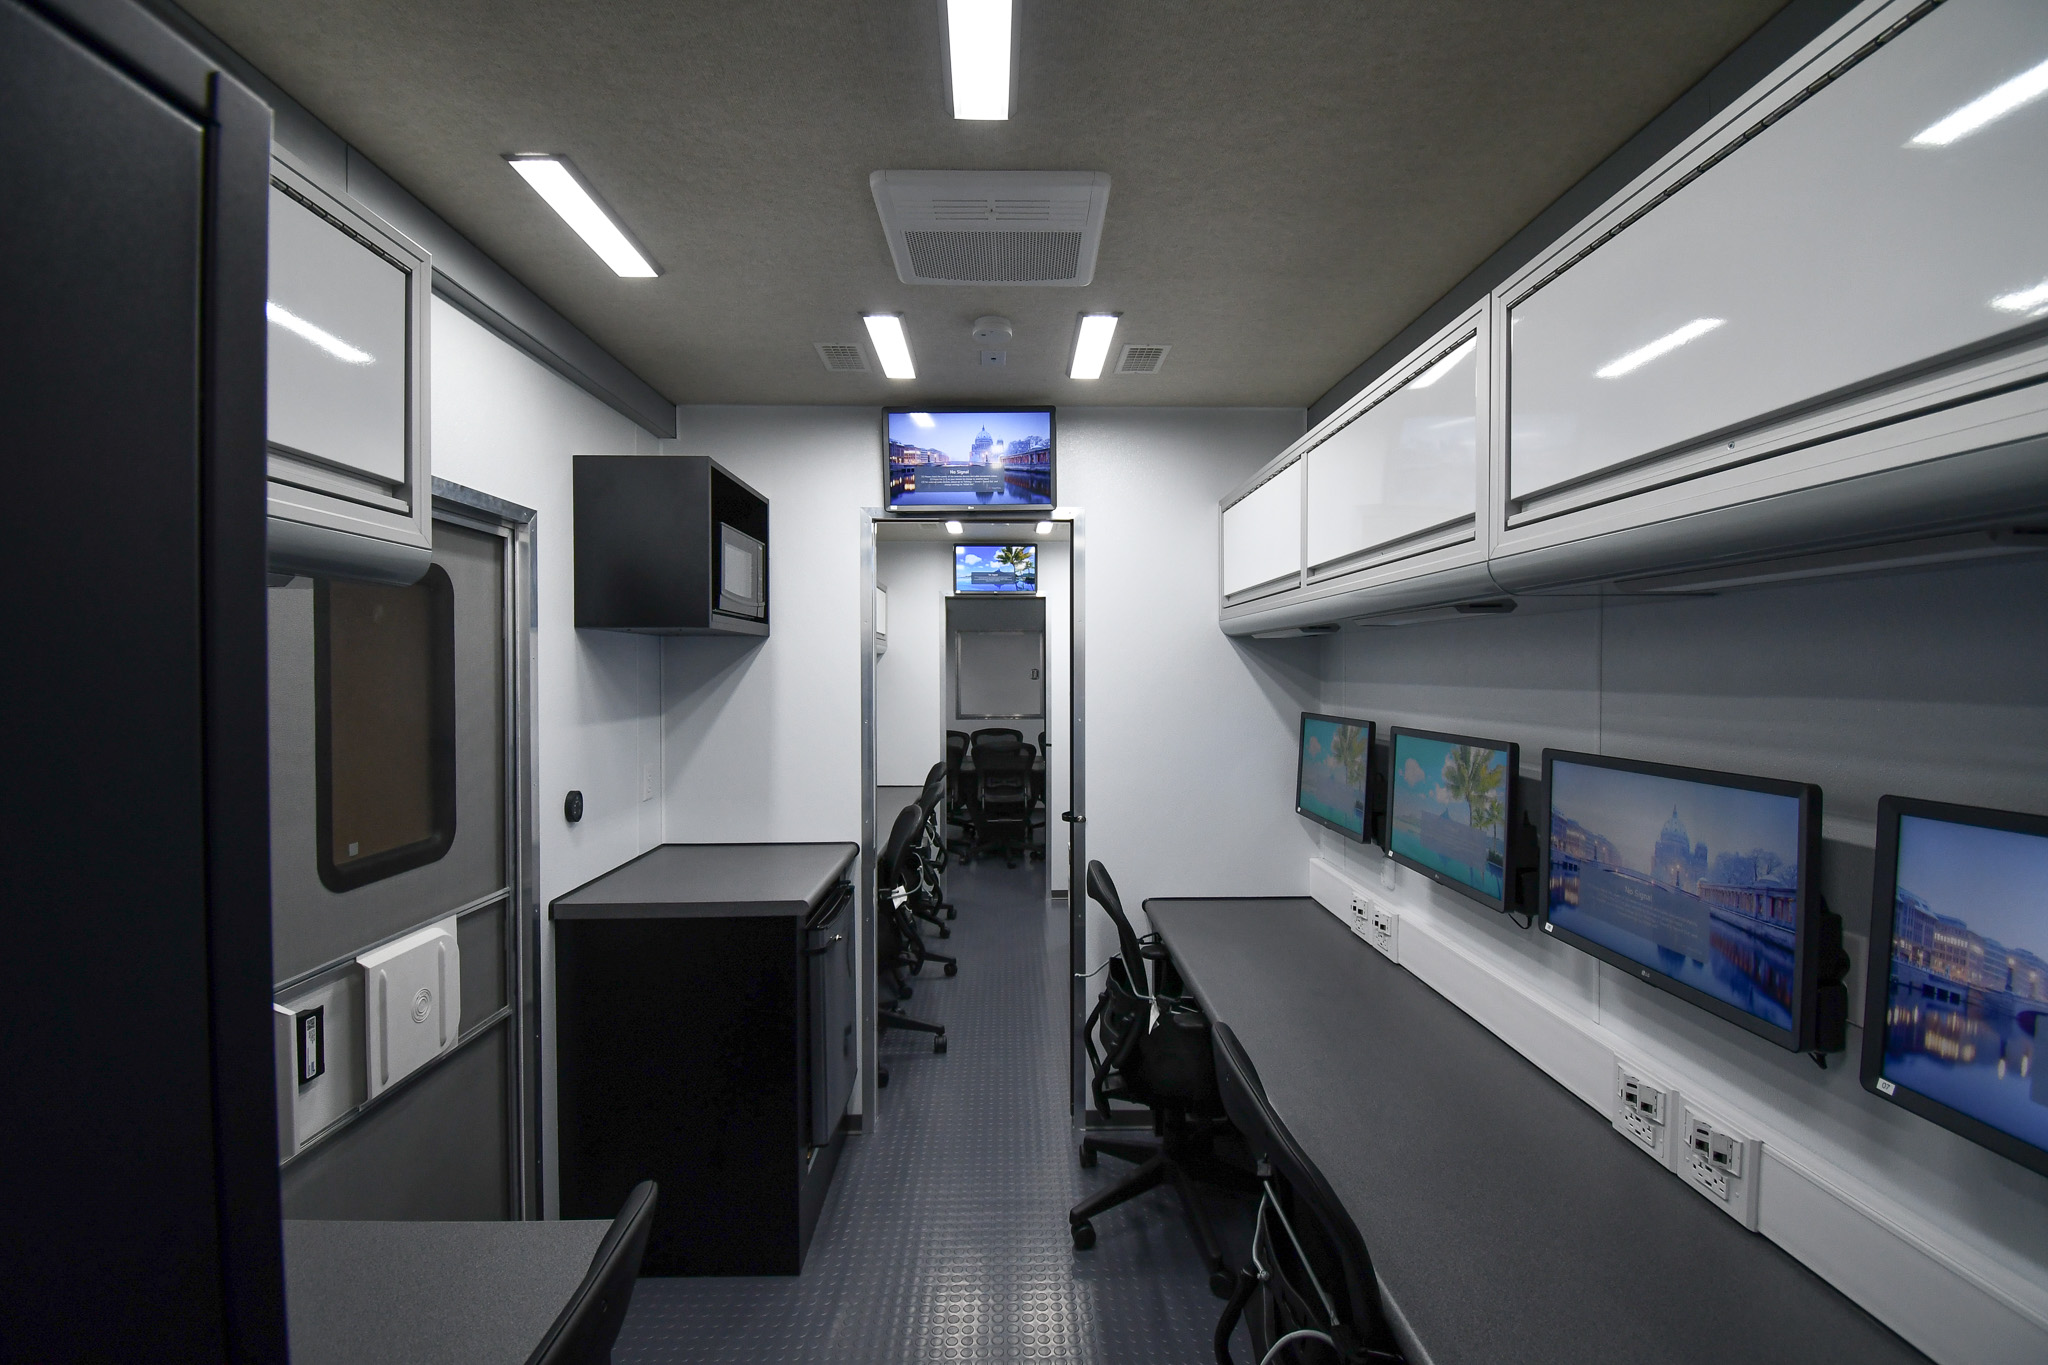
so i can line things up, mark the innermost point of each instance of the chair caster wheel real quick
(1088, 1157)
(1222, 1283)
(939, 1046)
(944, 932)
(882, 1079)
(1084, 1236)
(952, 969)
(951, 913)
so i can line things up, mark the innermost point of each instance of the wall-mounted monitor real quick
(1450, 806)
(1333, 773)
(967, 459)
(1699, 883)
(995, 568)
(1955, 1022)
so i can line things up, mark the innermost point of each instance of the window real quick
(384, 679)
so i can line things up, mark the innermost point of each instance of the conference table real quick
(1506, 1220)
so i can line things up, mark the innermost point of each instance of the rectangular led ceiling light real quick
(979, 52)
(1091, 345)
(892, 346)
(557, 182)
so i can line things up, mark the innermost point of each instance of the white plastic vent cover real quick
(839, 355)
(992, 227)
(1141, 359)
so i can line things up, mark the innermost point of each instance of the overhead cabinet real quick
(350, 483)
(1262, 537)
(1813, 337)
(669, 545)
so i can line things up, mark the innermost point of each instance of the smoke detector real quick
(993, 332)
(992, 227)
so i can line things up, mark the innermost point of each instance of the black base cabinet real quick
(704, 1025)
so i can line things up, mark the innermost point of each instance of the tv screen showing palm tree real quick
(1448, 811)
(995, 568)
(1332, 773)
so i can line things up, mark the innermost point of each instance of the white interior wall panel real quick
(909, 733)
(1262, 533)
(1852, 239)
(1404, 466)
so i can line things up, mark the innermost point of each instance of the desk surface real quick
(681, 881)
(1506, 1219)
(430, 1293)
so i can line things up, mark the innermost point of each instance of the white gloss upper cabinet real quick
(1262, 536)
(1880, 248)
(347, 309)
(1401, 469)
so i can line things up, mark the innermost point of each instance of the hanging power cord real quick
(1296, 1335)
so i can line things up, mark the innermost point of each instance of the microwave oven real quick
(742, 574)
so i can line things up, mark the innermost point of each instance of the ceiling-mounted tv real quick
(967, 459)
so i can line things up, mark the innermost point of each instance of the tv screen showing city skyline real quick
(1333, 772)
(970, 460)
(1697, 881)
(1969, 973)
(1448, 811)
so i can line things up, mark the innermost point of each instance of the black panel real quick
(646, 538)
(679, 1061)
(435, 1149)
(142, 1222)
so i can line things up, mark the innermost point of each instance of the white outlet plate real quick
(1643, 1108)
(1383, 931)
(1720, 1161)
(1362, 908)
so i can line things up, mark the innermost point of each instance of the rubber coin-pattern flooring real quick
(945, 1235)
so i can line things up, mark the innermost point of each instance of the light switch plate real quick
(412, 997)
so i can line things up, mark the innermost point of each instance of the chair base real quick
(886, 1019)
(1160, 1163)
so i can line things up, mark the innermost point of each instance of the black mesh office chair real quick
(932, 848)
(1311, 1281)
(898, 948)
(994, 732)
(1163, 1064)
(1002, 786)
(583, 1333)
(959, 811)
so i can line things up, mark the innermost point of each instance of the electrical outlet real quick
(1383, 932)
(1642, 1109)
(1361, 916)
(1721, 1163)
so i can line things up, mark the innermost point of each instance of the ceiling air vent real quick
(1141, 359)
(992, 227)
(839, 356)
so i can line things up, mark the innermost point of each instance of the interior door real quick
(1000, 674)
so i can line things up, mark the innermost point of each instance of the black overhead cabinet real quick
(669, 545)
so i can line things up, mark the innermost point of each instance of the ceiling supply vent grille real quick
(1141, 359)
(840, 357)
(992, 227)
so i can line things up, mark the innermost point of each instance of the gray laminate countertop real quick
(684, 881)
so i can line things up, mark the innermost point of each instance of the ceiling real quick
(1292, 182)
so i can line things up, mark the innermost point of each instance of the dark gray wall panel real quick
(480, 937)
(313, 925)
(434, 1150)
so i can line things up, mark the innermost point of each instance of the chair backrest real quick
(1322, 1274)
(893, 867)
(995, 732)
(1103, 892)
(583, 1332)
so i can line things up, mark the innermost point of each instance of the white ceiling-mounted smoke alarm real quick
(992, 227)
(993, 333)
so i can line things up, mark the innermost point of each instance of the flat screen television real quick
(1332, 774)
(1450, 806)
(995, 568)
(967, 459)
(1955, 1022)
(1699, 883)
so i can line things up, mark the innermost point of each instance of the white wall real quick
(909, 736)
(1926, 685)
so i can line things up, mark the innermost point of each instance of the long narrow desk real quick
(1506, 1219)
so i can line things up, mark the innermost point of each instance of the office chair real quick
(1163, 1065)
(898, 948)
(1002, 784)
(1310, 1273)
(932, 847)
(993, 732)
(958, 812)
(583, 1332)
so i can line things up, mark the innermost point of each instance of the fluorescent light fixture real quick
(922, 419)
(1045, 528)
(1987, 108)
(954, 528)
(554, 180)
(327, 341)
(1671, 341)
(978, 46)
(1444, 366)
(1091, 345)
(2023, 300)
(892, 347)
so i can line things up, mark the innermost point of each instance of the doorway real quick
(937, 658)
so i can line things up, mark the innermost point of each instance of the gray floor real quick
(945, 1236)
